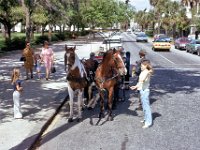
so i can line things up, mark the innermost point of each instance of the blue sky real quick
(140, 4)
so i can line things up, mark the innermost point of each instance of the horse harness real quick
(114, 75)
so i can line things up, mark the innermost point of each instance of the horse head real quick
(118, 62)
(70, 57)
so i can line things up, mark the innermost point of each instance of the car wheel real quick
(198, 52)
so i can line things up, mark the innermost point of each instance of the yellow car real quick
(161, 44)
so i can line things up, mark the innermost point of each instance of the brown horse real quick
(76, 79)
(106, 77)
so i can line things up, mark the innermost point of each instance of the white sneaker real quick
(142, 121)
(145, 126)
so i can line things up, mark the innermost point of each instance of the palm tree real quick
(141, 18)
(153, 2)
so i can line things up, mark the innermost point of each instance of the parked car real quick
(141, 37)
(181, 42)
(162, 36)
(161, 44)
(192, 46)
(128, 31)
(198, 51)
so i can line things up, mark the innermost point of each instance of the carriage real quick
(106, 78)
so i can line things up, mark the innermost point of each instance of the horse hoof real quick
(110, 118)
(70, 120)
(101, 115)
(89, 108)
(78, 119)
(114, 107)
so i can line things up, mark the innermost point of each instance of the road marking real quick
(189, 64)
(165, 58)
(176, 68)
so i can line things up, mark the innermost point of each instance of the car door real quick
(191, 45)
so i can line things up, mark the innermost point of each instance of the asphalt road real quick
(175, 103)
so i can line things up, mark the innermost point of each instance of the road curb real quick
(37, 140)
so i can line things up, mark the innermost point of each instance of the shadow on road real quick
(163, 82)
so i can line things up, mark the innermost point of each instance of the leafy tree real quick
(10, 15)
(103, 13)
(141, 17)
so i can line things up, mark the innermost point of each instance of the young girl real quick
(38, 62)
(16, 82)
(143, 86)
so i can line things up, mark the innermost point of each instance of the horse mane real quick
(107, 55)
(80, 65)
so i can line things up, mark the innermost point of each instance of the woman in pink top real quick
(47, 56)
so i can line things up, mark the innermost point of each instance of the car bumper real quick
(182, 47)
(161, 47)
(141, 39)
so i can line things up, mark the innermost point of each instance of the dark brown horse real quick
(106, 77)
(76, 79)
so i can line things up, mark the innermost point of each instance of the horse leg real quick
(71, 100)
(116, 96)
(86, 96)
(80, 101)
(90, 99)
(94, 100)
(101, 114)
(90, 92)
(110, 99)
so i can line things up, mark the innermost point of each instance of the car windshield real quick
(197, 42)
(163, 36)
(142, 35)
(161, 40)
(184, 40)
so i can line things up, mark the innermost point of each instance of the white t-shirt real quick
(144, 80)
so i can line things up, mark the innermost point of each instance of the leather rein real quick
(114, 75)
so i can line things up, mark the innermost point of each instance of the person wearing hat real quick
(142, 55)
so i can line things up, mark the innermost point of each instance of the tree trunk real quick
(28, 21)
(60, 27)
(7, 32)
(50, 33)
(43, 28)
(63, 28)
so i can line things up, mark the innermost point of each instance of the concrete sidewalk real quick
(40, 98)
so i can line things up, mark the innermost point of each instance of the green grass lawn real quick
(14, 35)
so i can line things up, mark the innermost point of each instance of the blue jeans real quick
(144, 94)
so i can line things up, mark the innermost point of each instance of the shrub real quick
(83, 33)
(60, 36)
(54, 38)
(41, 39)
(149, 33)
(15, 44)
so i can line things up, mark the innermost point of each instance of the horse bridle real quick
(116, 62)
